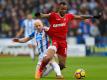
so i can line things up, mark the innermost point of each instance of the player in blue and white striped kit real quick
(42, 41)
(27, 27)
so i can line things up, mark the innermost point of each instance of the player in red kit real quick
(58, 33)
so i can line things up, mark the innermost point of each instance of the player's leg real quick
(57, 70)
(51, 51)
(32, 52)
(62, 61)
(62, 54)
(53, 65)
(49, 55)
(48, 69)
(37, 67)
(32, 46)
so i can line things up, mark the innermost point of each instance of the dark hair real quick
(62, 3)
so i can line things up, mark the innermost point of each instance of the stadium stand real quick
(13, 12)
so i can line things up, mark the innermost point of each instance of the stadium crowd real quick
(13, 12)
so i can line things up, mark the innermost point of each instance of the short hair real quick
(63, 3)
(38, 21)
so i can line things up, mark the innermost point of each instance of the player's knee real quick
(53, 48)
(62, 66)
(47, 58)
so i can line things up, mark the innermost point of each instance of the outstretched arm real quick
(41, 15)
(82, 16)
(23, 40)
(88, 16)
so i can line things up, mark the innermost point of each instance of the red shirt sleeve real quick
(52, 14)
(70, 16)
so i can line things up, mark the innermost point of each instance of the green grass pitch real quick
(22, 68)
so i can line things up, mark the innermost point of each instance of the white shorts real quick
(41, 56)
(55, 58)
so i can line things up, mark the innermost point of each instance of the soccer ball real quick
(79, 74)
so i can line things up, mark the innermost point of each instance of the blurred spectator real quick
(84, 3)
(94, 31)
(13, 12)
(103, 24)
(84, 25)
(73, 27)
(92, 5)
(73, 7)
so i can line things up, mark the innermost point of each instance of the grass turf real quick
(22, 68)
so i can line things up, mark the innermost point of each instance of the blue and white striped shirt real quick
(42, 42)
(28, 26)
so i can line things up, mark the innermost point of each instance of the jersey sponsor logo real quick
(59, 25)
(58, 19)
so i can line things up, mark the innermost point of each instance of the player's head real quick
(63, 8)
(29, 16)
(38, 25)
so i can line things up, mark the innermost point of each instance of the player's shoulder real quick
(70, 14)
(53, 13)
(25, 20)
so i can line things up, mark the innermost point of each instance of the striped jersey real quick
(28, 26)
(42, 42)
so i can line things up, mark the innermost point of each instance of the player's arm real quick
(87, 16)
(42, 15)
(23, 40)
(20, 32)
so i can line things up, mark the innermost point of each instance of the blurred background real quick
(90, 34)
(87, 39)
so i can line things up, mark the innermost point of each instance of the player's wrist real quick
(86, 16)
(21, 41)
(16, 40)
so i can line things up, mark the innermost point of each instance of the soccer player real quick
(28, 27)
(58, 33)
(42, 41)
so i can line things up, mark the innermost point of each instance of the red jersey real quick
(59, 25)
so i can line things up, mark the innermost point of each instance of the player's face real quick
(63, 9)
(38, 27)
(29, 16)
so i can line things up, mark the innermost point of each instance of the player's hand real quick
(98, 16)
(46, 28)
(15, 40)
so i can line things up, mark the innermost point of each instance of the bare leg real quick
(32, 54)
(52, 66)
(49, 68)
(62, 61)
(47, 58)
(49, 55)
